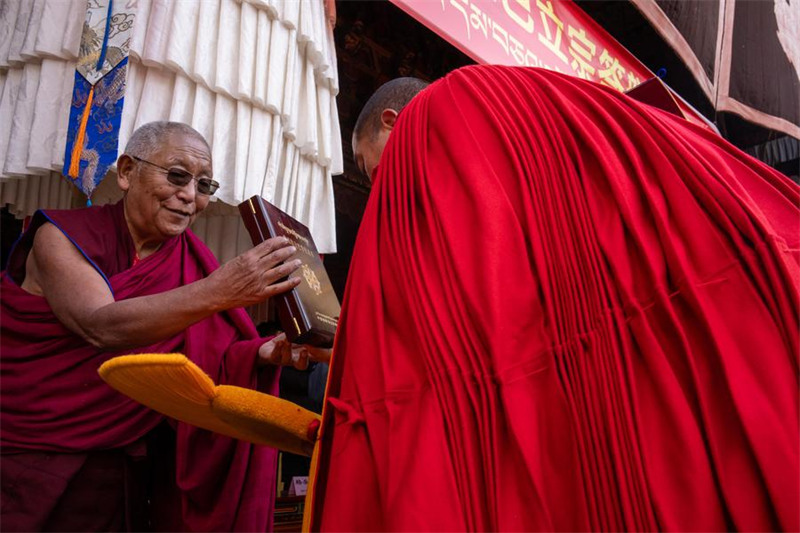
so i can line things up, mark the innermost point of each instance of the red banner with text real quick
(551, 34)
(556, 35)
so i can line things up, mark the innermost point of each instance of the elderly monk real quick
(85, 285)
(569, 311)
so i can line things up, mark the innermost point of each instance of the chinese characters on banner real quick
(552, 34)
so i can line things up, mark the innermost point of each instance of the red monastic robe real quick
(566, 311)
(58, 419)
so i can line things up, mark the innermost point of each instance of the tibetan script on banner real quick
(552, 34)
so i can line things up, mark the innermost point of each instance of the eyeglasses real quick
(181, 178)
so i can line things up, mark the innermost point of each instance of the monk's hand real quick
(313, 353)
(279, 351)
(254, 276)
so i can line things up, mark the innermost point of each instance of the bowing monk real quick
(569, 311)
(85, 285)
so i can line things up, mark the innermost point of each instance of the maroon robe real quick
(59, 422)
(566, 311)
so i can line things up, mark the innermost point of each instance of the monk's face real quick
(367, 150)
(368, 147)
(155, 208)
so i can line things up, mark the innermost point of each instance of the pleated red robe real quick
(566, 311)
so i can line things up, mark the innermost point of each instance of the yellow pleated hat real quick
(174, 386)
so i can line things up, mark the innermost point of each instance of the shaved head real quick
(377, 119)
(395, 94)
(151, 136)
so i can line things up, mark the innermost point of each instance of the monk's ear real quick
(126, 166)
(388, 118)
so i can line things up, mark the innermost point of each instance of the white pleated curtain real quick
(257, 78)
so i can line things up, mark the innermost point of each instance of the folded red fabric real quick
(566, 311)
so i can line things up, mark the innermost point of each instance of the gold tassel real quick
(77, 146)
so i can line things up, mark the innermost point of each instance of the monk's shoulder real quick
(46, 241)
(51, 251)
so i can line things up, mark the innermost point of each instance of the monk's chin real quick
(174, 229)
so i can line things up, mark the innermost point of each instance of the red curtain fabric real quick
(566, 311)
(54, 401)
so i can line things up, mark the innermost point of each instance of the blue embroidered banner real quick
(100, 140)
(98, 94)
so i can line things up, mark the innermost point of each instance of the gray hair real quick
(147, 138)
(395, 94)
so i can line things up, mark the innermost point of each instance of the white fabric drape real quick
(257, 78)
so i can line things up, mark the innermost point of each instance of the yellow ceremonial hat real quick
(174, 386)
